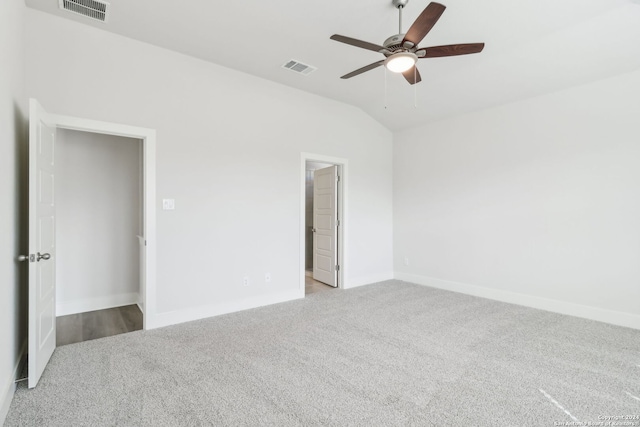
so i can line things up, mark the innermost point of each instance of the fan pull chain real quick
(415, 87)
(385, 88)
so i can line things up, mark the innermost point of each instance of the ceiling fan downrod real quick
(400, 4)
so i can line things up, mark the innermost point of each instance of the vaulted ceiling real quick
(532, 47)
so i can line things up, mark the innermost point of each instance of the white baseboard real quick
(619, 318)
(361, 281)
(91, 304)
(10, 388)
(159, 320)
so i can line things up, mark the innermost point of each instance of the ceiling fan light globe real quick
(400, 62)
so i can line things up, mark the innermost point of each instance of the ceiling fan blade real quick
(453, 50)
(424, 23)
(412, 75)
(356, 43)
(363, 69)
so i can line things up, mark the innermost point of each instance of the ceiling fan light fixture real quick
(400, 62)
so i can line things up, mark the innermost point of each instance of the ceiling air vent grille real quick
(90, 8)
(299, 67)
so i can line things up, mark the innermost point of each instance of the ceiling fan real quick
(401, 51)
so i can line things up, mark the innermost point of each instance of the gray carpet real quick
(387, 354)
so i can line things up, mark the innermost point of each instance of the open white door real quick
(42, 247)
(325, 225)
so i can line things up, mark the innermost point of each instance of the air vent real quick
(93, 9)
(299, 67)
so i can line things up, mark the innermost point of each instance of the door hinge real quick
(337, 222)
(337, 268)
(338, 178)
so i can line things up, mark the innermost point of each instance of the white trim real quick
(343, 200)
(10, 390)
(96, 126)
(368, 280)
(203, 312)
(148, 137)
(619, 318)
(64, 308)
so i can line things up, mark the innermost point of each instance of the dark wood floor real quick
(97, 324)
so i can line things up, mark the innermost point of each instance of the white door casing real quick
(42, 247)
(147, 239)
(325, 231)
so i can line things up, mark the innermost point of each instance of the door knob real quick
(43, 256)
(313, 229)
(23, 258)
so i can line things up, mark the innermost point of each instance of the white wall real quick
(12, 158)
(228, 152)
(97, 221)
(536, 202)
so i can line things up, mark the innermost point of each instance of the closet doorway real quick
(99, 221)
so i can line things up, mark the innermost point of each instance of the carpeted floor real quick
(387, 354)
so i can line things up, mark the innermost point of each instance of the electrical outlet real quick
(168, 204)
(267, 277)
(406, 261)
(245, 280)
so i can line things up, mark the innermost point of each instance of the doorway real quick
(99, 219)
(42, 256)
(323, 223)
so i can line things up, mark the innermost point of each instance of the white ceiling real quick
(532, 47)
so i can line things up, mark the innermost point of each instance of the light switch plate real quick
(168, 204)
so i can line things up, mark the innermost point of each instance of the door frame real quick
(342, 258)
(148, 138)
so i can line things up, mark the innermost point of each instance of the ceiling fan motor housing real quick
(394, 45)
(393, 42)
